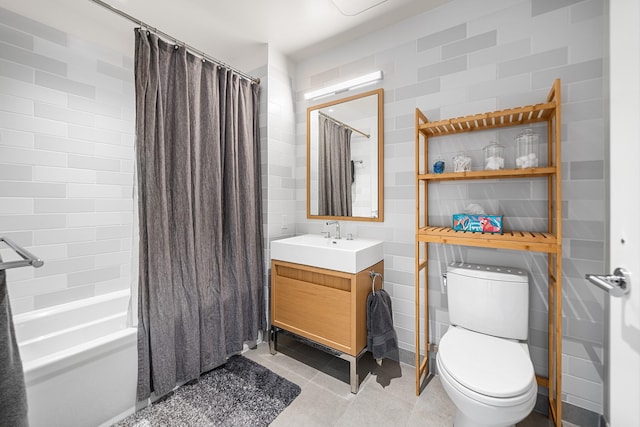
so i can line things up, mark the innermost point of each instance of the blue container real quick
(438, 166)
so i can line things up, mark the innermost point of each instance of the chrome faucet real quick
(337, 228)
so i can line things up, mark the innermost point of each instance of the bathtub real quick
(80, 362)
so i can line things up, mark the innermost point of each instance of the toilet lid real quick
(485, 364)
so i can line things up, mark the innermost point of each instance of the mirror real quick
(345, 175)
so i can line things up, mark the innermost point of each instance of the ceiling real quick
(232, 31)
(296, 28)
(227, 29)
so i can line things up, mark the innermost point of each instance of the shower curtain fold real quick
(334, 166)
(13, 395)
(200, 214)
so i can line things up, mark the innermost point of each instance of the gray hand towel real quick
(13, 396)
(381, 337)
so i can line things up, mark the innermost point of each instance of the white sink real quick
(350, 256)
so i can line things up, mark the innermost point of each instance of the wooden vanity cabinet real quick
(325, 306)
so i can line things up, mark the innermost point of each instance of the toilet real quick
(483, 358)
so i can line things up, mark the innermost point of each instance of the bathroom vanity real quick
(327, 306)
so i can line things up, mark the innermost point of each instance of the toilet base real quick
(462, 420)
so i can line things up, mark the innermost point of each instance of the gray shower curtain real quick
(200, 213)
(13, 394)
(334, 166)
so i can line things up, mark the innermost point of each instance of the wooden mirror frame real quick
(380, 151)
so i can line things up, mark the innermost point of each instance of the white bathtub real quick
(80, 362)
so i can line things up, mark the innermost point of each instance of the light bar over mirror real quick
(351, 84)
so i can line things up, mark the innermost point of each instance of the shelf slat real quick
(515, 240)
(490, 174)
(497, 119)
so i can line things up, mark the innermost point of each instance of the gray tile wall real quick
(468, 57)
(67, 118)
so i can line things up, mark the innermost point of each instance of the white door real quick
(624, 166)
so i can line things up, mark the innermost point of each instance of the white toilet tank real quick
(488, 299)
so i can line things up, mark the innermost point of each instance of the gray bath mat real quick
(240, 393)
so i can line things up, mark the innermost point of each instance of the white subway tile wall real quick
(282, 154)
(67, 121)
(67, 154)
(467, 57)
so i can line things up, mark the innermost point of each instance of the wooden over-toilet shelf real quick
(549, 242)
(515, 240)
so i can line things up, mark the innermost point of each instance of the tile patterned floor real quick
(386, 396)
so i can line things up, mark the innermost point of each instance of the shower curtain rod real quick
(176, 41)
(366, 135)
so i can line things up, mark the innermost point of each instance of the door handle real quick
(616, 284)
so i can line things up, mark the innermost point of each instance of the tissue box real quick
(477, 223)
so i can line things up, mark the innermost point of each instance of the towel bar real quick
(373, 275)
(28, 257)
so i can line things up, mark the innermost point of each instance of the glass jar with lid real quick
(527, 149)
(461, 162)
(493, 156)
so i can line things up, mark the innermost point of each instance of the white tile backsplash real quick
(94, 219)
(11, 138)
(12, 85)
(94, 134)
(27, 123)
(63, 175)
(93, 248)
(94, 191)
(14, 104)
(60, 114)
(472, 58)
(64, 266)
(88, 105)
(36, 286)
(63, 84)
(66, 145)
(66, 154)
(93, 277)
(16, 71)
(67, 118)
(63, 205)
(31, 157)
(63, 235)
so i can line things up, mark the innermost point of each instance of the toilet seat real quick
(492, 370)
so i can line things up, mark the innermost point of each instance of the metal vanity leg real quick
(273, 340)
(353, 375)
(354, 380)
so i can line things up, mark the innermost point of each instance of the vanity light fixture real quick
(344, 86)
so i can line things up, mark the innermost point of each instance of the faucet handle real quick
(326, 234)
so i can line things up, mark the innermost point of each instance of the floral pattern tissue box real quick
(478, 223)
